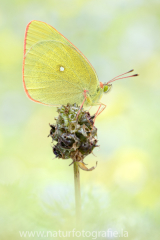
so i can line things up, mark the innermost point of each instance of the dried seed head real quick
(73, 134)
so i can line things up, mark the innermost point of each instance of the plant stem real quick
(77, 193)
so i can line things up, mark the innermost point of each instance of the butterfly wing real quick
(37, 31)
(54, 71)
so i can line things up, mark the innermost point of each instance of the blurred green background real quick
(37, 192)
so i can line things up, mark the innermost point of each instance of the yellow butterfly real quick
(55, 72)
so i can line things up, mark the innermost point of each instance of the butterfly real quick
(55, 72)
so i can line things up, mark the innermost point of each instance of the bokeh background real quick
(37, 192)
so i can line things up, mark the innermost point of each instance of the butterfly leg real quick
(85, 97)
(103, 107)
(100, 110)
(90, 108)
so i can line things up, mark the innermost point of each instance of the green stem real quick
(77, 193)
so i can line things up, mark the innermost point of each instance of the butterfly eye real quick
(106, 88)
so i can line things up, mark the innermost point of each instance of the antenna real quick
(119, 77)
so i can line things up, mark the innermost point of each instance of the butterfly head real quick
(106, 87)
